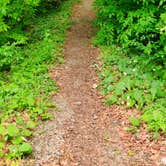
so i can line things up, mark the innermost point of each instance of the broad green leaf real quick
(25, 148)
(12, 130)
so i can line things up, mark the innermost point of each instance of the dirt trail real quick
(83, 133)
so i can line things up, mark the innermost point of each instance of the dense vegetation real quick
(133, 36)
(15, 16)
(31, 37)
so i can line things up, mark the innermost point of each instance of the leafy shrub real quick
(133, 36)
(15, 17)
(138, 26)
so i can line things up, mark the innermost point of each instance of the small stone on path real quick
(163, 160)
(78, 103)
(94, 86)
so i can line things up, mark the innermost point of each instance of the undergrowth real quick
(26, 88)
(132, 35)
(129, 81)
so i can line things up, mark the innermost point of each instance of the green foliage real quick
(134, 58)
(134, 121)
(12, 130)
(18, 150)
(138, 26)
(130, 81)
(25, 57)
(15, 17)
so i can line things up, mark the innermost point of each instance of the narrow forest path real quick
(83, 133)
